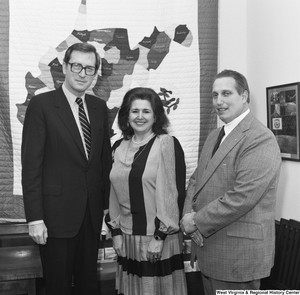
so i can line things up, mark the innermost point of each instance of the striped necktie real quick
(85, 125)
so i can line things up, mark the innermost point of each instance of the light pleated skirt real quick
(137, 276)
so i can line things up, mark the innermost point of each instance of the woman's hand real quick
(118, 245)
(154, 250)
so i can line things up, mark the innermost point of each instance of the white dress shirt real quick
(74, 107)
(231, 125)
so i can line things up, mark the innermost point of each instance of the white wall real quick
(261, 39)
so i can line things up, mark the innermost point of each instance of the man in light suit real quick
(230, 204)
(66, 181)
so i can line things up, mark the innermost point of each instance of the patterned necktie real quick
(221, 135)
(85, 126)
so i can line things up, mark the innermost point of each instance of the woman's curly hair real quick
(161, 121)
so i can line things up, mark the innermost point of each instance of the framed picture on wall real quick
(283, 118)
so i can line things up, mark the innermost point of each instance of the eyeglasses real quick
(77, 68)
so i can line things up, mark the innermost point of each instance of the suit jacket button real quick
(194, 199)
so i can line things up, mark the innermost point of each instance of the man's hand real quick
(38, 233)
(186, 223)
(188, 228)
(118, 245)
(197, 238)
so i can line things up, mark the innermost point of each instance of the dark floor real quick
(107, 287)
(194, 283)
(266, 285)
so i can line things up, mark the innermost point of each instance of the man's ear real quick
(245, 96)
(64, 68)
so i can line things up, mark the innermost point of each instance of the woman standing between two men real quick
(146, 199)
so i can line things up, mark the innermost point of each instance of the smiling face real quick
(141, 117)
(228, 103)
(78, 83)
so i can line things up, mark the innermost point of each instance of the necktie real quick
(221, 135)
(85, 125)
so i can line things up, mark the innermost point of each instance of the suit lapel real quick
(211, 164)
(67, 117)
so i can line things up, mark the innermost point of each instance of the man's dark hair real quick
(83, 47)
(240, 81)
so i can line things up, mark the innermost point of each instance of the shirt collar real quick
(70, 96)
(231, 125)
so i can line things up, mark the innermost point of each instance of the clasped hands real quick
(188, 228)
(154, 250)
(153, 253)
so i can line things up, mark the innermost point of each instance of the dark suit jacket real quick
(57, 178)
(234, 195)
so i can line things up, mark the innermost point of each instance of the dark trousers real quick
(68, 261)
(210, 285)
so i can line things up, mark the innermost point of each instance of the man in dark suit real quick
(230, 204)
(65, 175)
